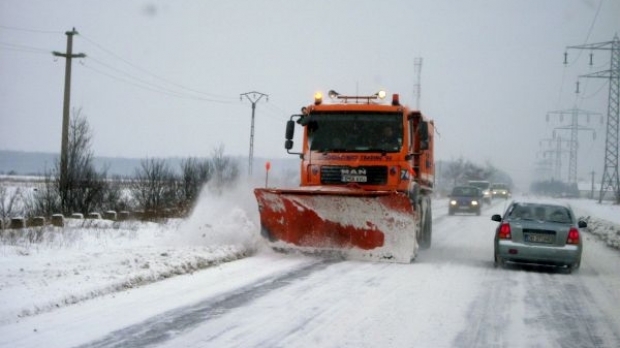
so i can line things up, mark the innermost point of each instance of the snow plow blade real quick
(357, 224)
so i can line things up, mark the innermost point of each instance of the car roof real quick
(540, 201)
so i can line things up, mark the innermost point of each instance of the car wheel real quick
(478, 212)
(498, 262)
(450, 212)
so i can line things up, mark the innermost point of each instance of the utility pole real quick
(610, 171)
(253, 97)
(574, 129)
(64, 146)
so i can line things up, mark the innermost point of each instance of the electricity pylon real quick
(610, 178)
(555, 155)
(574, 127)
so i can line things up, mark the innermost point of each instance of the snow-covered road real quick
(451, 296)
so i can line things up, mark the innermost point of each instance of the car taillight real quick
(573, 236)
(504, 231)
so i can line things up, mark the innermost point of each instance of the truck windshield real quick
(355, 132)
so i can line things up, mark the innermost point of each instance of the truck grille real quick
(371, 175)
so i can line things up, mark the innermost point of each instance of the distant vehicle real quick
(465, 199)
(485, 187)
(500, 190)
(545, 233)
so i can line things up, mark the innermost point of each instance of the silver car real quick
(536, 232)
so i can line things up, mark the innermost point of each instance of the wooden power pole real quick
(66, 104)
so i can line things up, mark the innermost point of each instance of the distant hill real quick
(38, 163)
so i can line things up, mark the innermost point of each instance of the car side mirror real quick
(496, 217)
(582, 224)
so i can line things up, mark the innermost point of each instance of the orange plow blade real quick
(377, 225)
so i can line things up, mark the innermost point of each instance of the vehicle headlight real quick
(474, 202)
(453, 202)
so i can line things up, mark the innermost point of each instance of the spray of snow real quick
(223, 217)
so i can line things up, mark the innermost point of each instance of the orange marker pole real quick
(267, 167)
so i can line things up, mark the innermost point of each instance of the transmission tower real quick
(417, 87)
(555, 155)
(574, 129)
(253, 97)
(610, 178)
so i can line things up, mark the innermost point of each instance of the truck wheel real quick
(427, 229)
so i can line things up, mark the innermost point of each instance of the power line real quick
(143, 84)
(23, 48)
(598, 10)
(128, 77)
(55, 32)
(150, 73)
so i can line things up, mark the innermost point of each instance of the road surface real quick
(450, 296)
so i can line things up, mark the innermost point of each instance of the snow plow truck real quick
(367, 175)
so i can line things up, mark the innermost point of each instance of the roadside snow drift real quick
(50, 267)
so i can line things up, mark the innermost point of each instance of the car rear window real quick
(465, 191)
(540, 212)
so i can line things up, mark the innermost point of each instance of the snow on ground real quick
(41, 270)
(45, 268)
(603, 219)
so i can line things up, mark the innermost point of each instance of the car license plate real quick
(353, 178)
(538, 238)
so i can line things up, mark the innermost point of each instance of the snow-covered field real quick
(89, 258)
(46, 268)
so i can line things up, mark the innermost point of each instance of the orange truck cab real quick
(367, 174)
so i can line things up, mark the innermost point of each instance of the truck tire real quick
(427, 229)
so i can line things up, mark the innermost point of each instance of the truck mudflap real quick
(356, 224)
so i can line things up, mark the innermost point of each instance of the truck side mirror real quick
(290, 132)
(423, 134)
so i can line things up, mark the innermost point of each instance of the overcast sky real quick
(164, 78)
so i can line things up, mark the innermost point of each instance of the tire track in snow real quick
(566, 308)
(488, 314)
(168, 325)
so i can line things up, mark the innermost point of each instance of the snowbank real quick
(49, 267)
(603, 219)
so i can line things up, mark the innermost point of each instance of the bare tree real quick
(154, 187)
(46, 200)
(9, 203)
(225, 170)
(460, 171)
(84, 188)
(195, 173)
